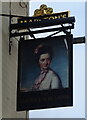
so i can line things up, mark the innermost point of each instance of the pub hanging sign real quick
(45, 78)
(44, 13)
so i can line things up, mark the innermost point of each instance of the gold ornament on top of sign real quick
(44, 10)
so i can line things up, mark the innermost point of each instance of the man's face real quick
(44, 61)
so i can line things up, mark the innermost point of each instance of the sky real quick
(77, 9)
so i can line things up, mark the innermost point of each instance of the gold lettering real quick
(39, 19)
(30, 20)
(25, 21)
(63, 16)
(51, 17)
(46, 18)
(56, 17)
(21, 21)
(36, 20)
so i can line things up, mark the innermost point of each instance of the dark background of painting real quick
(29, 67)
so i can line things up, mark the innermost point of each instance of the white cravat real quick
(40, 79)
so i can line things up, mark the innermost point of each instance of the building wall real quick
(0, 63)
(9, 63)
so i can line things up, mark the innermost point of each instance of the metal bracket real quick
(46, 23)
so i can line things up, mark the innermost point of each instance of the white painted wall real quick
(9, 64)
(0, 63)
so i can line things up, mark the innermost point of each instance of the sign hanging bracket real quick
(64, 24)
(23, 25)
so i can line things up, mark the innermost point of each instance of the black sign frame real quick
(30, 100)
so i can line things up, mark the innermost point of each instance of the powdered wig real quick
(42, 49)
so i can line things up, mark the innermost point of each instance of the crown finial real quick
(43, 10)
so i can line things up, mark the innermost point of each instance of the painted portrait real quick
(44, 64)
